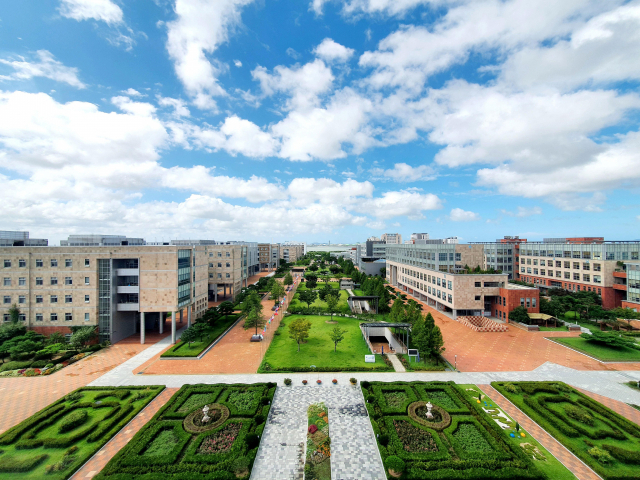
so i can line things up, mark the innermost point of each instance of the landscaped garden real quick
(59, 439)
(203, 432)
(204, 337)
(318, 348)
(459, 441)
(624, 350)
(604, 440)
(317, 464)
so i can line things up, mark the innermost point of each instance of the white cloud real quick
(374, 7)
(401, 172)
(237, 135)
(523, 212)
(179, 107)
(237, 63)
(137, 108)
(331, 51)
(460, 215)
(132, 92)
(326, 191)
(407, 203)
(200, 27)
(45, 66)
(103, 10)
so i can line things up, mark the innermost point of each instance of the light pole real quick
(455, 359)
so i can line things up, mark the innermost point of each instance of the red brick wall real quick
(512, 299)
(631, 305)
(49, 330)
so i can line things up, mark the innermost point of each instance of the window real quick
(596, 267)
(39, 262)
(68, 281)
(528, 302)
(450, 298)
(68, 299)
(86, 299)
(39, 281)
(477, 298)
(219, 275)
(86, 317)
(87, 262)
(559, 264)
(535, 271)
(228, 264)
(586, 266)
(219, 265)
(535, 261)
(38, 298)
(219, 254)
(586, 278)
(229, 254)
(576, 266)
(54, 317)
(22, 281)
(211, 265)
(528, 261)
(528, 269)
(22, 317)
(228, 275)
(68, 262)
(22, 263)
(54, 299)
(567, 275)
(54, 262)
(576, 276)
(450, 285)
(39, 317)
(597, 279)
(86, 280)
(438, 281)
(479, 284)
(7, 281)
(522, 270)
(542, 263)
(54, 280)
(522, 302)
(442, 257)
(543, 271)
(7, 264)
(6, 299)
(550, 273)
(68, 317)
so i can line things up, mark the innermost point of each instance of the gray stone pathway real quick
(354, 453)
(397, 364)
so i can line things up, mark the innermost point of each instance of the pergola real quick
(405, 326)
(369, 299)
(543, 317)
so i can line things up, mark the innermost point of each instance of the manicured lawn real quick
(462, 441)
(175, 444)
(283, 354)
(59, 439)
(604, 440)
(553, 329)
(182, 349)
(600, 351)
(342, 307)
(430, 365)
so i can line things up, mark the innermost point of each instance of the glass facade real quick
(184, 277)
(620, 251)
(633, 282)
(439, 257)
(104, 299)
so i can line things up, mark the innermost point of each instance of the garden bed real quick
(283, 355)
(460, 442)
(599, 351)
(429, 366)
(183, 349)
(59, 439)
(601, 438)
(317, 464)
(224, 449)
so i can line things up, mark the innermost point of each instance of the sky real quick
(320, 120)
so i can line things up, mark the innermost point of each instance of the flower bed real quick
(222, 448)
(59, 439)
(46, 370)
(460, 442)
(318, 459)
(604, 440)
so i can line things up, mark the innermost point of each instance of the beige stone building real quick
(123, 290)
(291, 252)
(227, 269)
(269, 255)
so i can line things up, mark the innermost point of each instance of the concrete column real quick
(173, 327)
(189, 316)
(161, 322)
(142, 328)
(216, 293)
(181, 316)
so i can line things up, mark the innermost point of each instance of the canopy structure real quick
(400, 345)
(543, 317)
(369, 303)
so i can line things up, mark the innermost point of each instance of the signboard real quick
(413, 352)
(370, 359)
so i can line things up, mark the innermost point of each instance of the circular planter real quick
(440, 425)
(319, 382)
(334, 381)
(190, 423)
(304, 382)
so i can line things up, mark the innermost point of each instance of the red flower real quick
(313, 429)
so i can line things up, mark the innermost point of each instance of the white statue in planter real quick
(429, 407)
(206, 417)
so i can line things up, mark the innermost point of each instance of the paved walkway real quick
(96, 463)
(397, 365)
(568, 459)
(354, 453)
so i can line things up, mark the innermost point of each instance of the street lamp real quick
(455, 359)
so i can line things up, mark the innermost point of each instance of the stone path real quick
(354, 453)
(568, 459)
(397, 365)
(96, 463)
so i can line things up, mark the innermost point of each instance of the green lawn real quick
(550, 465)
(600, 351)
(181, 349)
(39, 447)
(283, 353)
(553, 329)
(342, 307)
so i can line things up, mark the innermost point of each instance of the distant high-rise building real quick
(392, 238)
(101, 241)
(10, 238)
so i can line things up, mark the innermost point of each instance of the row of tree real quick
(299, 331)
(425, 335)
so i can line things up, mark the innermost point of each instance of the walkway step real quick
(96, 463)
(568, 459)
(397, 364)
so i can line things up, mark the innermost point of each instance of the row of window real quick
(228, 265)
(228, 254)
(22, 299)
(53, 317)
(429, 278)
(431, 291)
(559, 264)
(578, 254)
(22, 263)
(228, 275)
(567, 286)
(22, 281)
(567, 275)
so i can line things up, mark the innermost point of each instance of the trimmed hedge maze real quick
(460, 442)
(604, 440)
(59, 439)
(177, 444)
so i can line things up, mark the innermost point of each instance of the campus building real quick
(503, 255)
(268, 256)
(10, 238)
(228, 269)
(291, 251)
(433, 273)
(101, 241)
(631, 279)
(123, 290)
(392, 238)
(579, 264)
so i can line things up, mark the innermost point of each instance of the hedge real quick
(12, 465)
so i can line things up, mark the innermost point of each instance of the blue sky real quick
(320, 120)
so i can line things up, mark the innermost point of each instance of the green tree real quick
(252, 301)
(55, 338)
(610, 339)
(254, 319)
(277, 291)
(299, 330)
(200, 329)
(397, 314)
(308, 296)
(14, 314)
(336, 335)
(332, 304)
(519, 314)
(420, 338)
(4, 351)
(312, 280)
(226, 308)
(313, 268)
(189, 335)
(412, 312)
(81, 336)
(288, 279)
(436, 342)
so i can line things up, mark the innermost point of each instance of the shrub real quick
(287, 381)
(626, 456)
(601, 456)
(395, 463)
(240, 465)
(12, 465)
(258, 419)
(73, 396)
(39, 364)
(383, 439)
(365, 384)
(73, 420)
(265, 400)
(371, 398)
(510, 387)
(579, 414)
(252, 440)
(353, 380)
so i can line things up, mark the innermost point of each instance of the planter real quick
(334, 381)
(353, 381)
(304, 382)
(319, 382)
